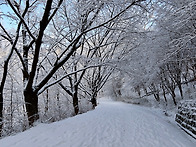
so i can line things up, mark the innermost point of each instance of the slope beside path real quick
(111, 124)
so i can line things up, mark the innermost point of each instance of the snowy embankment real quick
(111, 124)
(186, 116)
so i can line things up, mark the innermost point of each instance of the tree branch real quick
(60, 79)
(22, 17)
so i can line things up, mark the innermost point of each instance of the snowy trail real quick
(111, 124)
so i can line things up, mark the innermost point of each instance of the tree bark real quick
(94, 96)
(173, 96)
(156, 96)
(75, 102)
(31, 102)
(164, 94)
(94, 102)
(180, 88)
(1, 113)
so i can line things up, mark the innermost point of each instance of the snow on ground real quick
(111, 124)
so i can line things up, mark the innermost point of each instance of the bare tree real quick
(13, 43)
(35, 32)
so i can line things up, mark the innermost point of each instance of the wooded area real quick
(57, 56)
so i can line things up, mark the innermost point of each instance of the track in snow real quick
(111, 124)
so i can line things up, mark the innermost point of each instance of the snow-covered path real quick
(111, 124)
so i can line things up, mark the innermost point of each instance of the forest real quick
(58, 56)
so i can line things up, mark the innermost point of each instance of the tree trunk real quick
(47, 102)
(31, 102)
(173, 96)
(1, 113)
(2, 84)
(156, 96)
(75, 101)
(180, 88)
(94, 102)
(164, 94)
(93, 99)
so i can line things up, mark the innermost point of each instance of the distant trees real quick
(165, 60)
(179, 28)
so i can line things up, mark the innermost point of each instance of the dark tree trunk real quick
(75, 100)
(47, 101)
(93, 99)
(164, 93)
(1, 113)
(2, 84)
(180, 88)
(173, 96)
(156, 96)
(155, 92)
(31, 102)
(75, 103)
(94, 102)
